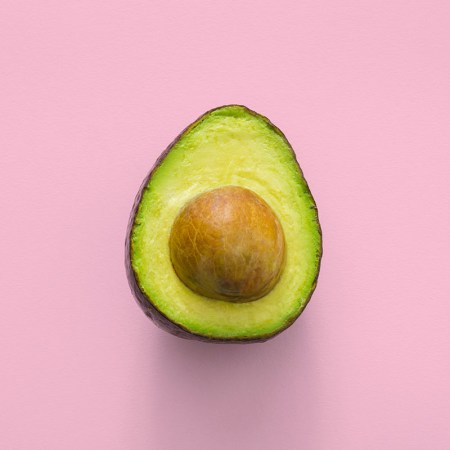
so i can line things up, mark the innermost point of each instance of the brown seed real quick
(228, 244)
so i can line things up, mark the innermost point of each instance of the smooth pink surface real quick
(91, 92)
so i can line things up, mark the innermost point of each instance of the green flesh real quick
(227, 146)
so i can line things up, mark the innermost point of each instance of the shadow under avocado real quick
(214, 395)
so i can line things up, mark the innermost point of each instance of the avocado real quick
(224, 242)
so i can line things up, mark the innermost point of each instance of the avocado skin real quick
(145, 302)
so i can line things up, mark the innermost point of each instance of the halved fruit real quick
(224, 242)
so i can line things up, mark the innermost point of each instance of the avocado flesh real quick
(227, 146)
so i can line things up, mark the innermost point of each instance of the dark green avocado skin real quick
(145, 302)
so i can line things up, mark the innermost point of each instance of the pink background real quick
(92, 91)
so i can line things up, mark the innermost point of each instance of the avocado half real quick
(227, 146)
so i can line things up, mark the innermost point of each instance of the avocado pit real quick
(228, 244)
